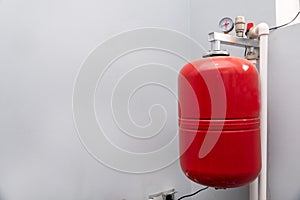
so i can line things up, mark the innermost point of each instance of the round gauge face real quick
(226, 24)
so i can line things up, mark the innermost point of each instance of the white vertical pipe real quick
(264, 115)
(262, 31)
(253, 190)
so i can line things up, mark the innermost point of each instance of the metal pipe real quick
(216, 45)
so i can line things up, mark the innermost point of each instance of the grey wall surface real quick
(43, 44)
(284, 112)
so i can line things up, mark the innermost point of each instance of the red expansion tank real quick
(219, 108)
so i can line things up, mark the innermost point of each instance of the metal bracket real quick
(217, 38)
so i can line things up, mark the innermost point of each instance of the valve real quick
(240, 26)
(249, 26)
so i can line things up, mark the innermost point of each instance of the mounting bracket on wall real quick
(165, 195)
(216, 39)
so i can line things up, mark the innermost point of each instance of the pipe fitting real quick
(257, 31)
(240, 26)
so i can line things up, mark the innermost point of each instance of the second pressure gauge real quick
(226, 24)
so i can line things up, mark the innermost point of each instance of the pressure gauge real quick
(226, 24)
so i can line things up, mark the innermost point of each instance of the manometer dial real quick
(226, 24)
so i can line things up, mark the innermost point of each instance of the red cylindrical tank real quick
(219, 108)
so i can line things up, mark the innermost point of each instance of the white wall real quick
(286, 11)
(43, 44)
(284, 111)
